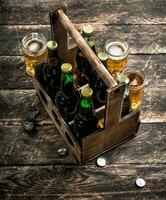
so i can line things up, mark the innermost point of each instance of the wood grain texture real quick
(142, 24)
(105, 11)
(149, 39)
(153, 105)
(14, 76)
(20, 148)
(111, 182)
(40, 148)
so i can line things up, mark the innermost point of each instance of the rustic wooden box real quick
(116, 129)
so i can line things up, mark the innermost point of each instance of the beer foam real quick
(133, 83)
(116, 50)
(34, 47)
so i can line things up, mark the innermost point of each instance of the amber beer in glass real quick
(35, 51)
(136, 86)
(118, 53)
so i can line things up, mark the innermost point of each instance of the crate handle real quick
(86, 50)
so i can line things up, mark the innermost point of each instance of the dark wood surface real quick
(30, 167)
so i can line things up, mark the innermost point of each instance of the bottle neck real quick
(104, 62)
(86, 107)
(126, 93)
(67, 84)
(90, 41)
(52, 57)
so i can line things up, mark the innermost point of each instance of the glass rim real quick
(34, 35)
(139, 72)
(124, 54)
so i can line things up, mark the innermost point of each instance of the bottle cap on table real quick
(140, 182)
(66, 67)
(101, 161)
(29, 126)
(62, 151)
(52, 45)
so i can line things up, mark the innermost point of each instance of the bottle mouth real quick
(116, 50)
(66, 67)
(87, 92)
(52, 45)
(34, 44)
(123, 79)
(103, 56)
(87, 30)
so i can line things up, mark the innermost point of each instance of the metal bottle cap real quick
(87, 30)
(123, 78)
(62, 151)
(103, 56)
(52, 45)
(29, 126)
(101, 161)
(140, 182)
(66, 67)
(87, 92)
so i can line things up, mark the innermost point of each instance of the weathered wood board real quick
(140, 22)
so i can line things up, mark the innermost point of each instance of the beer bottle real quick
(87, 33)
(126, 100)
(66, 99)
(51, 70)
(86, 121)
(84, 68)
(97, 84)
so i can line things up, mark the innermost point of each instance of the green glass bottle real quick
(86, 121)
(126, 100)
(52, 69)
(84, 68)
(66, 99)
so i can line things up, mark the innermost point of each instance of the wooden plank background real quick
(30, 167)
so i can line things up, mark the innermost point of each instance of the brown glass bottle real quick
(52, 70)
(85, 122)
(126, 100)
(97, 84)
(66, 99)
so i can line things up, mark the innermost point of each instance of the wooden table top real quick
(30, 167)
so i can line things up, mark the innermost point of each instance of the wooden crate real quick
(116, 129)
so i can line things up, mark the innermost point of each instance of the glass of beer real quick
(118, 53)
(35, 51)
(136, 86)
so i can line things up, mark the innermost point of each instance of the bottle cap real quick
(87, 92)
(101, 161)
(66, 67)
(140, 182)
(123, 78)
(103, 56)
(29, 126)
(52, 45)
(62, 151)
(87, 29)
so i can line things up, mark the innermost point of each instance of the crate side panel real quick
(100, 142)
(58, 121)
